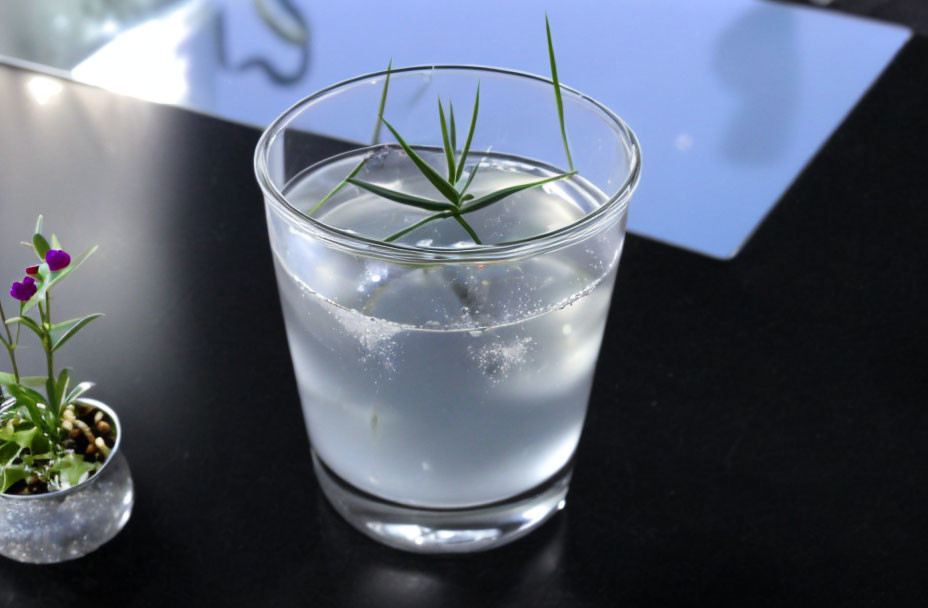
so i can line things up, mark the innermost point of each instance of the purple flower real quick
(25, 290)
(57, 259)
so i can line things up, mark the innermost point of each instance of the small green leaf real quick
(78, 391)
(61, 387)
(73, 469)
(9, 451)
(32, 380)
(470, 178)
(489, 199)
(70, 333)
(468, 228)
(446, 142)
(38, 225)
(383, 103)
(11, 476)
(403, 198)
(41, 246)
(30, 399)
(28, 322)
(341, 185)
(557, 94)
(56, 244)
(24, 438)
(6, 379)
(446, 189)
(470, 137)
(454, 129)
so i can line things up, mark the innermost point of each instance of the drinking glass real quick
(444, 384)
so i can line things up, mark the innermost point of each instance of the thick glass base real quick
(442, 531)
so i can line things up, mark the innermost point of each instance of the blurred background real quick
(730, 98)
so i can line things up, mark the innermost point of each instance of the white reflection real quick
(43, 88)
(148, 61)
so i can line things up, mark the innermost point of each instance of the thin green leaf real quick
(7, 379)
(454, 129)
(341, 185)
(61, 387)
(403, 198)
(493, 197)
(74, 329)
(470, 137)
(28, 322)
(557, 94)
(56, 244)
(422, 222)
(55, 277)
(443, 186)
(468, 228)
(383, 103)
(470, 178)
(77, 391)
(38, 225)
(41, 246)
(446, 143)
(30, 399)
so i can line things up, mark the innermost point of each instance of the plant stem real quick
(46, 314)
(11, 343)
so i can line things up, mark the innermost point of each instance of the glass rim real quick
(589, 224)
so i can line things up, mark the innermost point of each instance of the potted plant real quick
(65, 486)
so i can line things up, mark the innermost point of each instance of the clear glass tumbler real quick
(444, 383)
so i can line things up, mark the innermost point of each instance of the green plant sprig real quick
(32, 431)
(457, 201)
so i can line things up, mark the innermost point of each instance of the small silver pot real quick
(70, 523)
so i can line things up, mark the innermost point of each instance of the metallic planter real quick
(67, 524)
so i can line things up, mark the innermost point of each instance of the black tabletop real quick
(756, 432)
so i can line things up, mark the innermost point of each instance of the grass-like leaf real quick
(64, 380)
(454, 129)
(341, 185)
(77, 391)
(446, 144)
(56, 244)
(38, 225)
(557, 94)
(6, 379)
(494, 197)
(403, 198)
(423, 222)
(71, 331)
(470, 178)
(383, 103)
(443, 186)
(470, 137)
(467, 227)
(28, 322)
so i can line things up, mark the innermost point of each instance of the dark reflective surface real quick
(756, 432)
